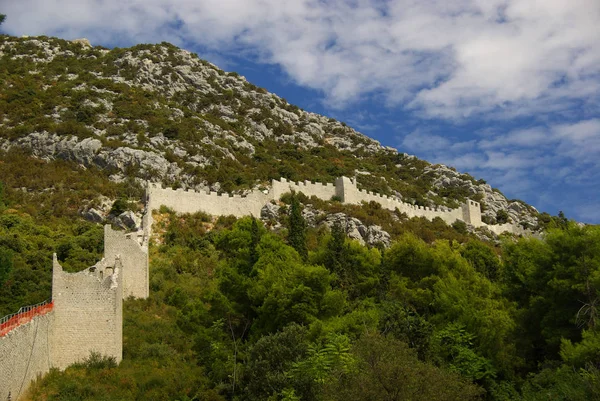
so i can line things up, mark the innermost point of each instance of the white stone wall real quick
(507, 227)
(25, 354)
(134, 259)
(344, 188)
(208, 202)
(349, 193)
(88, 313)
(324, 191)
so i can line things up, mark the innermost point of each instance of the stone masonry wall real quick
(349, 193)
(88, 313)
(320, 190)
(86, 316)
(208, 202)
(345, 189)
(134, 259)
(25, 354)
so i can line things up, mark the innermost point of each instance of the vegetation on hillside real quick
(236, 313)
(74, 91)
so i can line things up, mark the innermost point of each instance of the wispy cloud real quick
(529, 161)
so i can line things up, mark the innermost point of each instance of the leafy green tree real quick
(482, 258)
(389, 370)
(556, 286)
(2, 201)
(406, 325)
(563, 383)
(460, 226)
(325, 362)
(334, 257)
(297, 228)
(119, 206)
(456, 345)
(6, 263)
(255, 239)
(356, 267)
(501, 216)
(584, 353)
(2, 18)
(269, 360)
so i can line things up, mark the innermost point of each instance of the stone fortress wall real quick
(344, 188)
(132, 250)
(86, 314)
(25, 354)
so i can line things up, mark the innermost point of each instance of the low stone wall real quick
(25, 354)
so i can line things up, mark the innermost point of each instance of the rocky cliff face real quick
(160, 113)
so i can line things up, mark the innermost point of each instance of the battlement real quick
(344, 189)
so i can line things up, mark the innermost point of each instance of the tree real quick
(2, 18)
(389, 370)
(482, 258)
(297, 228)
(335, 249)
(501, 216)
(2, 196)
(255, 239)
(6, 263)
(270, 358)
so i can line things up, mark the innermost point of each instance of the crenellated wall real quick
(348, 192)
(344, 188)
(324, 191)
(85, 315)
(208, 202)
(86, 311)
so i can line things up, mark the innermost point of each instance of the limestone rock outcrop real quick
(199, 118)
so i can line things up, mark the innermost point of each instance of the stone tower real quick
(88, 313)
(472, 213)
(134, 258)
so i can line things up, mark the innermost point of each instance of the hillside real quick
(156, 112)
(316, 299)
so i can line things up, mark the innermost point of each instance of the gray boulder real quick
(93, 215)
(269, 212)
(355, 229)
(129, 220)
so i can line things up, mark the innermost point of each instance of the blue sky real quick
(507, 90)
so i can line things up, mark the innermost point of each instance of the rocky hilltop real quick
(157, 112)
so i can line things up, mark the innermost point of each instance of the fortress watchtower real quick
(472, 213)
